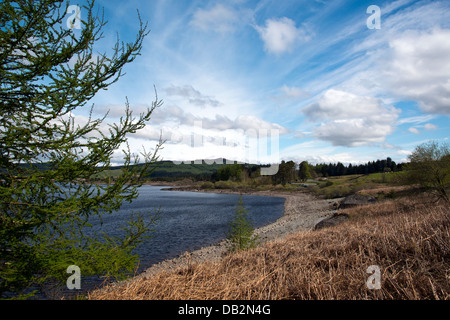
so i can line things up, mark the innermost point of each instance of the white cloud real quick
(190, 136)
(293, 92)
(219, 18)
(351, 120)
(320, 152)
(430, 126)
(195, 47)
(414, 130)
(290, 94)
(336, 104)
(299, 134)
(246, 122)
(194, 96)
(406, 60)
(354, 132)
(178, 117)
(281, 35)
(404, 152)
(388, 145)
(419, 69)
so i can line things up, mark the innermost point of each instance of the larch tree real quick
(47, 160)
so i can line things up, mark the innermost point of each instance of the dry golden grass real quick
(408, 240)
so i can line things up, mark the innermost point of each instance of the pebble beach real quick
(302, 211)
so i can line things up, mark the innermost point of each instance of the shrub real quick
(207, 185)
(226, 185)
(430, 167)
(240, 235)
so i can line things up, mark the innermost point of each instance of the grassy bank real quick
(407, 238)
(341, 186)
(331, 187)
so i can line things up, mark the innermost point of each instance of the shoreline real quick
(302, 211)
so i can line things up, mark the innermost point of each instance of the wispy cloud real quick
(310, 69)
(430, 126)
(182, 121)
(416, 119)
(220, 18)
(192, 95)
(291, 93)
(281, 35)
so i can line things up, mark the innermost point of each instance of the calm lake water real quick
(188, 220)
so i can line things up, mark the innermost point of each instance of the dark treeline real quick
(288, 171)
(339, 169)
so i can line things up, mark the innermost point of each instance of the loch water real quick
(188, 220)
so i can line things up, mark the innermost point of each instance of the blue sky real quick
(310, 74)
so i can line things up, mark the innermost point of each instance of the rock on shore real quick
(356, 200)
(331, 221)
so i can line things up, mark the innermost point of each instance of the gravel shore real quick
(302, 211)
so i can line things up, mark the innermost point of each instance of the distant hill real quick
(168, 170)
(188, 169)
